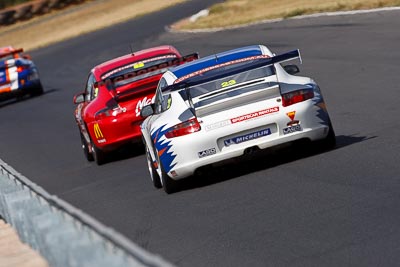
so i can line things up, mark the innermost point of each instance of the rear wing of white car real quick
(234, 86)
(224, 69)
(291, 55)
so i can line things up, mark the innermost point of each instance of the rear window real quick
(139, 70)
(6, 57)
(243, 79)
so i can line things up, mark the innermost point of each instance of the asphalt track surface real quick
(294, 208)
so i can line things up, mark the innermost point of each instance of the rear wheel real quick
(85, 147)
(329, 142)
(37, 90)
(98, 155)
(169, 184)
(153, 173)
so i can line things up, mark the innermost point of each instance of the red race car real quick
(108, 110)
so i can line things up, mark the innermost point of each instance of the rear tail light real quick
(21, 68)
(109, 112)
(297, 96)
(183, 128)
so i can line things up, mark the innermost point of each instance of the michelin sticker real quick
(247, 137)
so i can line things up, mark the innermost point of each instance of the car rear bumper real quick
(111, 135)
(28, 88)
(189, 167)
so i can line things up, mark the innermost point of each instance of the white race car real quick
(225, 105)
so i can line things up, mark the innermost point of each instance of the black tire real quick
(99, 156)
(170, 185)
(329, 142)
(37, 90)
(85, 147)
(155, 178)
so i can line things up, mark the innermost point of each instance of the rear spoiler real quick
(294, 54)
(10, 51)
(264, 60)
(267, 60)
(109, 82)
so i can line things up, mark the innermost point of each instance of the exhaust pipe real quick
(251, 150)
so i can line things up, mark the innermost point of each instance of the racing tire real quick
(329, 142)
(37, 90)
(99, 156)
(169, 185)
(85, 147)
(155, 178)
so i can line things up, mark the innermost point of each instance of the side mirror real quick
(79, 98)
(291, 69)
(147, 111)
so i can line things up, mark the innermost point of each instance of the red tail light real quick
(183, 128)
(21, 68)
(108, 112)
(297, 96)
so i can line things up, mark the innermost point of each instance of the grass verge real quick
(76, 20)
(238, 12)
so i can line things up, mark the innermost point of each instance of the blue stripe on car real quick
(212, 60)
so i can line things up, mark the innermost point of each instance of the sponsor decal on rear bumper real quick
(254, 114)
(207, 152)
(98, 133)
(242, 118)
(292, 129)
(247, 137)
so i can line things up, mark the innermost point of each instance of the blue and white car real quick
(226, 105)
(18, 74)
